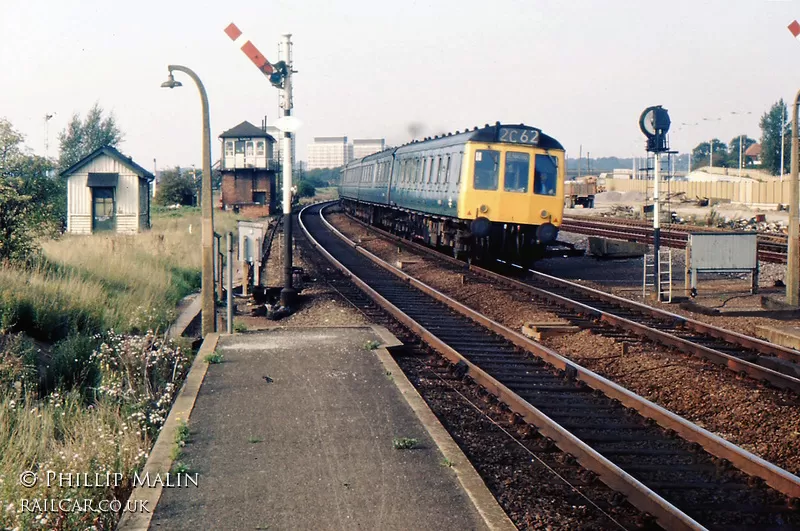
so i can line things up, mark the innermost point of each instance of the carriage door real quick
(103, 209)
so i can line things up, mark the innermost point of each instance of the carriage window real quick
(518, 167)
(545, 175)
(438, 178)
(447, 171)
(487, 162)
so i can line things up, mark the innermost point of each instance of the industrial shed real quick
(107, 191)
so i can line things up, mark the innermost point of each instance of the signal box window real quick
(249, 149)
(229, 147)
(260, 148)
(239, 147)
(518, 167)
(487, 162)
(545, 175)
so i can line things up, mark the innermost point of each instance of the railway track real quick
(607, 314)
(685, 481)
(771, 247)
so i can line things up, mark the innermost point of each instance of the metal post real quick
(229, 260)
(288, 292)
(656, 228)
(793, 258)
(711, 154)
(741, 139)
(209, 321)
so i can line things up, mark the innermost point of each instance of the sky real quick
(580, 70)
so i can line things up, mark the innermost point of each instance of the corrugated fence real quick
(749, 193)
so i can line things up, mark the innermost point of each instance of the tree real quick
(30, 201)
(175, 187)
(80, 138)
(771, 123)
(700, 154)
(306, 189)
(10, 147)
(733, 150)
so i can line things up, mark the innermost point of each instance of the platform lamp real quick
(209, 321)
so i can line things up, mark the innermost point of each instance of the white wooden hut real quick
(107, 191)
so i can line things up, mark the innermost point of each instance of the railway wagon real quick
(496, 191)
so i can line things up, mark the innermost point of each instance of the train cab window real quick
(518, 166)
(487, 162)
(545, 175)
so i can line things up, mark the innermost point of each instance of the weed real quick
(176, 453)
(254, 440)
(181, 433)
(214, 357)
(178, 467)
(446, 462)
(239, 326)
(404, 443)
(372, 344)
(389, 376)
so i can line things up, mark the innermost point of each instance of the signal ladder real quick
(665, 280)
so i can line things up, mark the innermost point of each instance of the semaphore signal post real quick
(280, 75)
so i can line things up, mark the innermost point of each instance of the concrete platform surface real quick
(295, 429)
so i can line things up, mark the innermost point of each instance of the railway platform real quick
(298, 428)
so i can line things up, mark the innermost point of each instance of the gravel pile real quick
(762, 420)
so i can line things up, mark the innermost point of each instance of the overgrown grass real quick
(84, 387)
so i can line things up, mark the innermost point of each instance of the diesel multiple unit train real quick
(491, 192)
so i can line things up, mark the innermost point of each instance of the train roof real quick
(487, 133)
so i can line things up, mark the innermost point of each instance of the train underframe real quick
(512, 243)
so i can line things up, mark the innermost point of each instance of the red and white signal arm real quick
(249, 49)
(794, 27)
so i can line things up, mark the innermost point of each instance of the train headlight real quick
(544, 214)
(484, 209)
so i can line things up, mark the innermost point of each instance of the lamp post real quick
(209, 323)
(741, 139)
(689, 167)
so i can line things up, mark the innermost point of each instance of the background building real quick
(367, 146)
(328, 152)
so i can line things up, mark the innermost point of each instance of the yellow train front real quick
(491, 192)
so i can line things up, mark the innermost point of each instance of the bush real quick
(71, 367)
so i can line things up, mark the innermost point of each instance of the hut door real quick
(103, 209)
